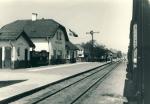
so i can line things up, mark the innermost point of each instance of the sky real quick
(109, 17)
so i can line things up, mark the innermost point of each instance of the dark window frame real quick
(18, 51)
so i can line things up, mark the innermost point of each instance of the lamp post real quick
(92, 33)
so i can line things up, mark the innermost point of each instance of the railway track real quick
(69, 91)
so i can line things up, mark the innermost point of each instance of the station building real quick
(44, 34)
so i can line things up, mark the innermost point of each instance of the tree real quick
(119, 54)
(94, 52)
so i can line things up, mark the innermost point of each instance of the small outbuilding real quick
(80, 53)
(71, 52)
(14, 49)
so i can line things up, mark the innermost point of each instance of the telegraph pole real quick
(92, 33)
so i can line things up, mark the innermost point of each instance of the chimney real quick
(34, 16)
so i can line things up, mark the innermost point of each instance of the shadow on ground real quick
(9, 82)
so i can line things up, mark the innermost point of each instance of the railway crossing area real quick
(84, 83)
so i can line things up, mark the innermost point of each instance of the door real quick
(26, 57)
(7, 62)
(0, 57)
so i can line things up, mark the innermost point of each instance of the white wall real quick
(5, 43)
(40, 44)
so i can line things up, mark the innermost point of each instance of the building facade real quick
(14, 50)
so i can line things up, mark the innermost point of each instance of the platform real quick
(33, 78)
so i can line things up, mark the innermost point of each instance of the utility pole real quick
(92, 33)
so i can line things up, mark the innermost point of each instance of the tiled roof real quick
(15, 36)
(9, 35)
(34, 29)
(79, 46)
(71, 46)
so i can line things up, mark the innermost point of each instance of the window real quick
(18, 51)
(58, 35)
(54, 54)
(80, 54)
(59, 56)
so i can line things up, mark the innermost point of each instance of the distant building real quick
(80, 53)
(71, 52)
(14, 49)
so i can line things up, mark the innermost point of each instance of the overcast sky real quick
(110, 17)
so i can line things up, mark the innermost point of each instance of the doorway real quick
(26, 57)
(7, 62)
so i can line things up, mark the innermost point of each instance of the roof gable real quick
(23, 34)
(14, 36)
(79, 46)
(9, 35)
(71, 46)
